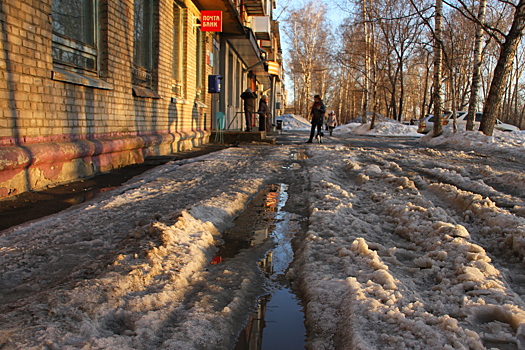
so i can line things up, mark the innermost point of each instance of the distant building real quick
(92, 85)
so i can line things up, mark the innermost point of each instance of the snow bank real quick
(379, 118)
(131, 270)
(381, 129)
(476, 140)
(294, 122)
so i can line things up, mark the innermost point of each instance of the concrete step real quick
(232, 137)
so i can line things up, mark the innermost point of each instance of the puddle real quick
(299, 155)
(278, 320)
(87, 194)
(296, 155)
(294, 166)
(32, 205)
(499, 345)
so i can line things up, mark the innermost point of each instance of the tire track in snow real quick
(424, 293)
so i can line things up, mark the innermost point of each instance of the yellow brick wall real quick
(32, 104)
(53, 131)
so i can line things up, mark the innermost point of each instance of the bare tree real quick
(306, 30)
(438, 64)
(509, 43)
(476, 72)
(503, 69)
(367, 70)
(400, 32)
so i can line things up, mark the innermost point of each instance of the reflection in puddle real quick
(500, 345)
(296, 155)
(251, 227)
(299, 155)
(294, 166)
(86, 195)
(278, 321)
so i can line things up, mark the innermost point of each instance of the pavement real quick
(36, 204)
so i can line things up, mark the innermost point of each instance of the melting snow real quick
(391, 259)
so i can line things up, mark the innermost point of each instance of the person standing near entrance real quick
(331, 122)
(264, 112)
(317, 115)
(249, 98)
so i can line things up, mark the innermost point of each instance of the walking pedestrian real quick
(317, 114)
(264, 112)
(249, 98)
(331, 122)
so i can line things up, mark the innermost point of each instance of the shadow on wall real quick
(196, 123)
(14, 111)
(174, 125)
(80, 125)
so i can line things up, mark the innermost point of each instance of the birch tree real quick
(438, 68)
(508, 46)
(476, 71)
(306, 31)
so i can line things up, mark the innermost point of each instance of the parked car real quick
(462, 122)
(427, 124)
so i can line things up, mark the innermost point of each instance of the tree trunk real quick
(476, 74)
(367, 62)
(401, 91)
(502, 71)
(454, 101)
(438, 68)
(374, 78)
(425, 89)
(515, 97)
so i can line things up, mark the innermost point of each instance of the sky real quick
(335, 17)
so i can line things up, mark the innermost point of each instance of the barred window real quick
(75, 33)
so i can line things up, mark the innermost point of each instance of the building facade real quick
(92, 85)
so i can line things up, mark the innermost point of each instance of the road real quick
(382, 259)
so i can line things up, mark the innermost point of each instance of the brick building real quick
(92, 85)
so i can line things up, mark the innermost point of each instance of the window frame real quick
(200, 44)
(178, 40)
(142, 74)
(77, 47)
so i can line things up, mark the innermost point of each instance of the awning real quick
(248, 50)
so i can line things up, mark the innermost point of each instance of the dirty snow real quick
(472, 140)
(410, 248)
(381, 128)
(294, 122)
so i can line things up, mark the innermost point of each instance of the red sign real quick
(211, 21)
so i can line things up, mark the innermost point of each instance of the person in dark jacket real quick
(264, 112)
(249, 98)
(317, 115)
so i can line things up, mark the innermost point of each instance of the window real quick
(143, 43)
(199, 61)
(74, 33)
(178, 50)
